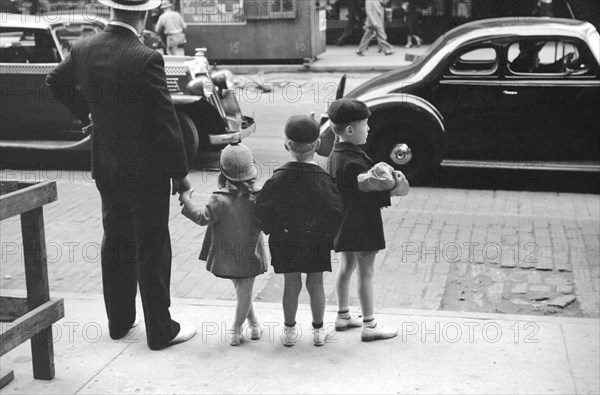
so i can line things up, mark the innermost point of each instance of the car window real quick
(68, 34)
(479, 61)
(535, 56)
(27, 46)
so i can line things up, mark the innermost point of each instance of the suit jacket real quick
(362, 226)
(137, 139)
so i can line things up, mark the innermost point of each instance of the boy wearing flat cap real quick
(361, 234)
(301, 209)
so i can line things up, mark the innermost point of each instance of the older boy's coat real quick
(362, 227)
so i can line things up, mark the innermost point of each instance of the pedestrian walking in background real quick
(172, 25)
(411, 24)
(301, 209)
(374, 27)
(233, 245)
(361, 234)
(355, 18)
(137, 149)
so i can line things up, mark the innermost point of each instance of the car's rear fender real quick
(388, 107)
(206, 117)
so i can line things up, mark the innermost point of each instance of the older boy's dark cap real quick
(344, 111)
(302, 129)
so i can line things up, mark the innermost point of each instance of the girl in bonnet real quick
(233, 246)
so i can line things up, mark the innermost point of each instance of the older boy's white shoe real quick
(321, 335)
(377, 332)
(341, 323)
(289, 335)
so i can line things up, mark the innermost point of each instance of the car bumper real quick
(234, 137)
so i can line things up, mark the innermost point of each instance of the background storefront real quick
(295, 31)
(255, 31)
(439, 16)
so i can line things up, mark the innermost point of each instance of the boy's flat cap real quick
(344, 111)
(302, 129)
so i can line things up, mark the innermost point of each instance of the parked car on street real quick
(502, 93)
(31, 46)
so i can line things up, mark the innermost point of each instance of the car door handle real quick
(506, 92)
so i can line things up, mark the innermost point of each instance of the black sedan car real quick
(503, 93)
(31, 46)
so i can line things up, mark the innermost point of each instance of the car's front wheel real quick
(190, 136)
(406, 148)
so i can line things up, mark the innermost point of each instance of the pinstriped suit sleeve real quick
(61, 83)
(163, 114)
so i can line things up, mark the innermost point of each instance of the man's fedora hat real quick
(132, 5)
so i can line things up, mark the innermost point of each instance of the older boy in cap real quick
(301, 209)
(361, 234)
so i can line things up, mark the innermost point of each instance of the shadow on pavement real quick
(516, 180)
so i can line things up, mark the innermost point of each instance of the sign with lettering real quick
(213, 12)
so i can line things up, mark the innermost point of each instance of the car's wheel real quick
(406, 148)
(190, 136)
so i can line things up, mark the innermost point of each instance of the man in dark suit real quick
(137, 149)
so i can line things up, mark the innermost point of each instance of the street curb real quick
(333, 309)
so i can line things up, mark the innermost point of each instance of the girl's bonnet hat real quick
(237, 163)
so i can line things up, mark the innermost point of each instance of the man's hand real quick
(181, 185)
(185, 197)
(401, 187)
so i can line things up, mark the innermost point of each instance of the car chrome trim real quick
(522, 82)
(401, 154)
(184, 99)
(173, 85)
(222, 139)
(215, 100)
(26, 68)
(176, 70)
(589, 167)
(48, 145)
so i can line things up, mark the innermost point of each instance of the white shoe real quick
(235, 338)
(255, 331)
(289, 335)
(377, 332)
(321, 335)
(341, 324)
(186, 332)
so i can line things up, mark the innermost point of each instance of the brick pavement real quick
(477, 250)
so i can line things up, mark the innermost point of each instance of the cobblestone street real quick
(452, 249)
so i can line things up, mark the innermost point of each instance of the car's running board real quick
(591, 167)
(48, 145)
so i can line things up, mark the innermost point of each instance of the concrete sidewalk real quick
(338, 59)
(435, 352)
